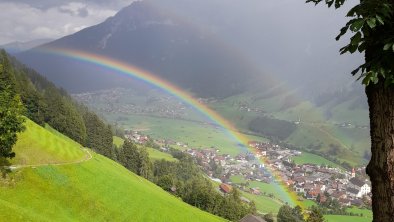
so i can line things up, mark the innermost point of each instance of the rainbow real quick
(184, 96)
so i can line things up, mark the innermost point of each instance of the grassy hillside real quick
(94, 190)
(320, 125)
(37, 145)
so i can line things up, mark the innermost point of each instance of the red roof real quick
(225, 188)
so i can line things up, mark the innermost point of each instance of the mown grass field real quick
(237, 179)
(95, 190)
(310, 158)
(158, 155)
(194, 134)
(342, 218)
(264, 204)
(365, 212)
(38, 145)
(270, 188)
(118, 142)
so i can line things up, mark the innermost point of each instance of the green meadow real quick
(39, 145)
(98, 189)
(158, 155)
(194, 134)
(264, 204)
(309, 158)
(364, 212)
(118, 142)
(342, 218)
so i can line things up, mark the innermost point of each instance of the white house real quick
(363, 187)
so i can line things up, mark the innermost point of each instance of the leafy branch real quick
(367, 18)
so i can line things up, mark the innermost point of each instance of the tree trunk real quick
(381, 166)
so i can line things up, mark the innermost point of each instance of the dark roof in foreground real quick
(252, 218)
(358, 182)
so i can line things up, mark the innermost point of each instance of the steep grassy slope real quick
(37, 145)
(94, 190)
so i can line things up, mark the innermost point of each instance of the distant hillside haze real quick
(144, 37)
(214, 48)
(17, 47)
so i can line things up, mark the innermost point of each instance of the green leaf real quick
(329, 2)
(352, 12)
(353, 48)
(354, 72)
(361, 47)
(380, 20)
(338, 3)
(355, 40)
(366, 81)
(357, 25)
(387, 46)
(371, 22)
(343, 50)
(342, 32)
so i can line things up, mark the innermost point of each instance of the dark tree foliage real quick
(135, 159)
(185, 179)
(269, 217)
(11, 109)
(315, 215)
(99, 135)
(272, 127)
(288, 214)
(62, 115)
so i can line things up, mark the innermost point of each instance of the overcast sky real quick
(25, 20)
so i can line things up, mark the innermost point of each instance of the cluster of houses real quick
(313, 182)
(309, 181)
(136, 137)
(115, 101)
(318, 183)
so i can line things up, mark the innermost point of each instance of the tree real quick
(11, 122)
(11, 109)
(315, 215)
(372, 28)
(130, 157)
(269, 217)
(288, 214)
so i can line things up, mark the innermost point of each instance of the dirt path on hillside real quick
(88, 156)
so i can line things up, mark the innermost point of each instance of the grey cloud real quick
(47, 4)
(52, 18)
(74, 9)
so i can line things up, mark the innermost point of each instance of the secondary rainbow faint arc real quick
(173, 90)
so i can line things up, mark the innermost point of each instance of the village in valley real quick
(259, 163)
(270, 163)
